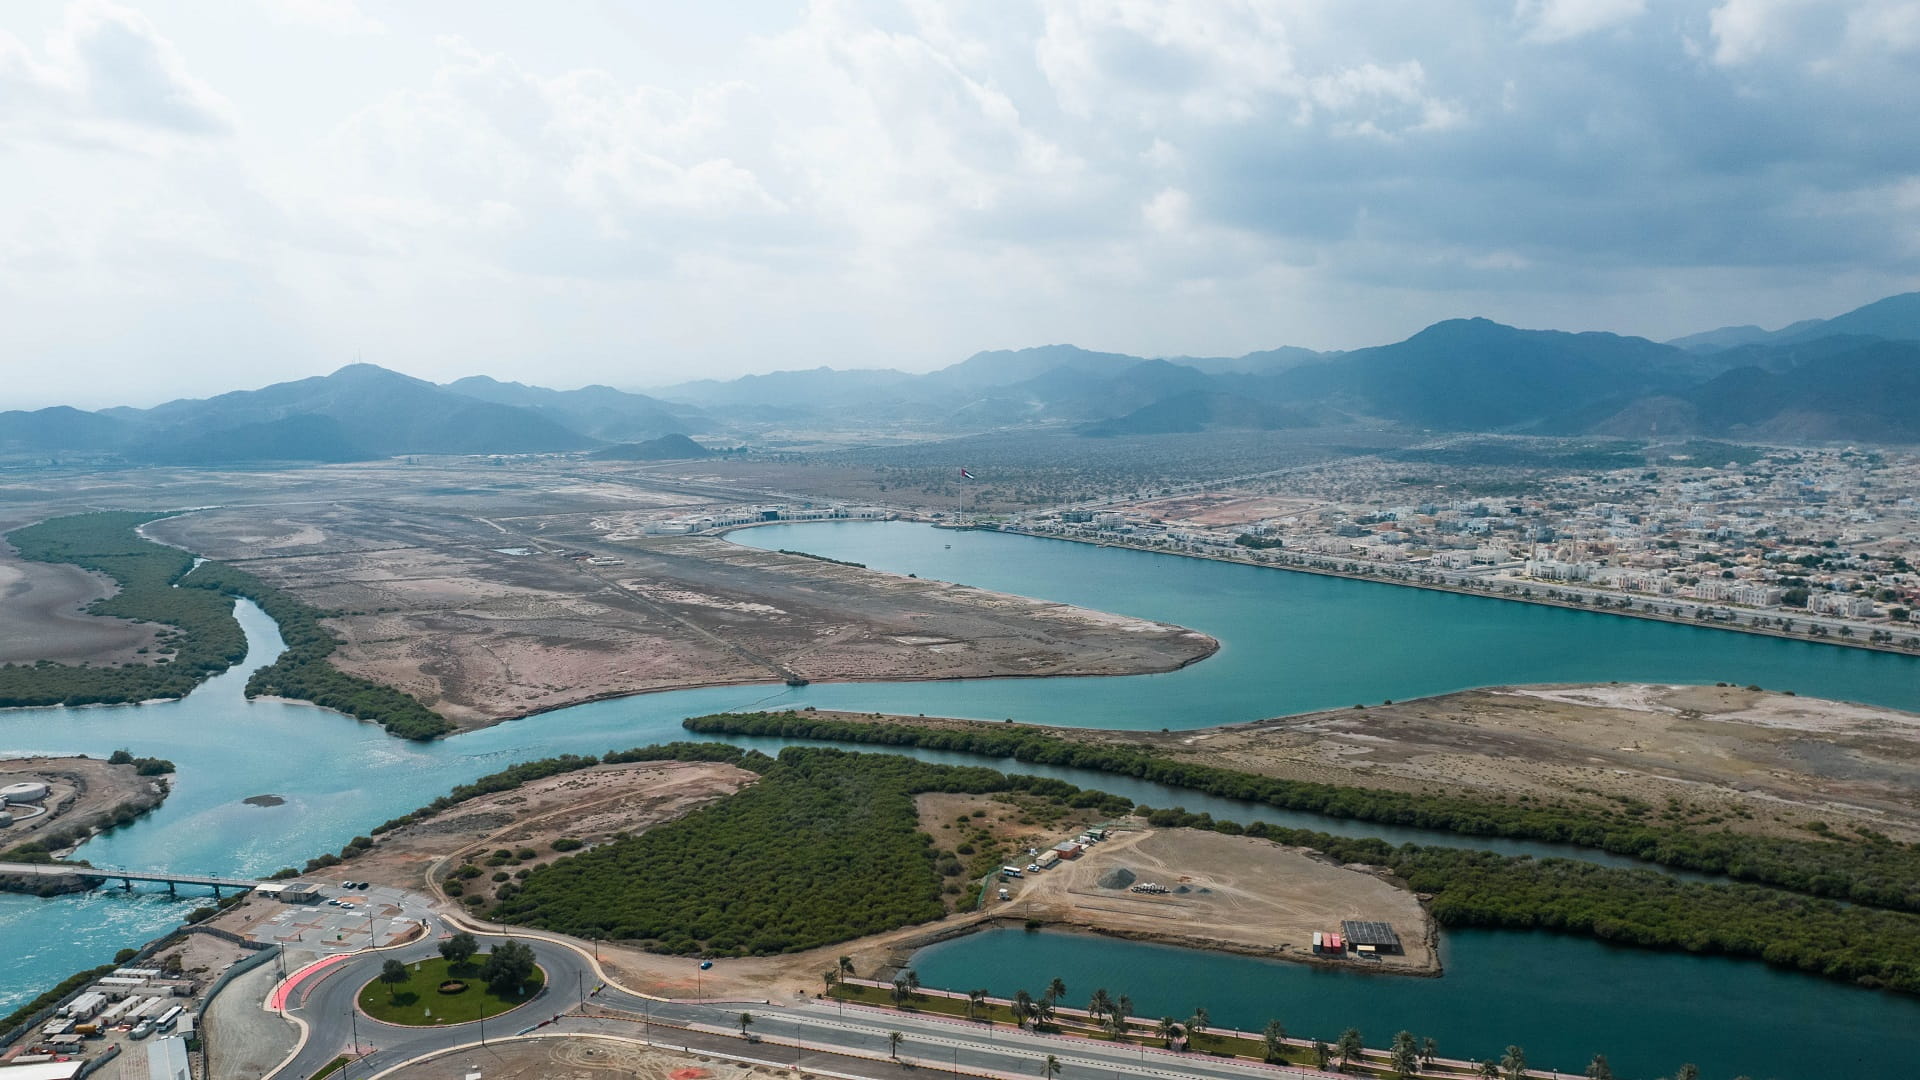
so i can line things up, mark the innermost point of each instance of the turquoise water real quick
(1293, 642)
(1290, 642)
(1561, 999)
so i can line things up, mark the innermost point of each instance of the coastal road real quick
(805, 1031)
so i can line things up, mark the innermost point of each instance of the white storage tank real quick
(30, 792)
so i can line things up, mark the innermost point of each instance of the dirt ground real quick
(79, 789)
(590, 806)
(41, 616)
(492, 594)
(1220, 509)
(1751, 760)
(1233, 893)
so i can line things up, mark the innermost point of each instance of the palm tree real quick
(1350, 1047)
(1050, 1067)
(1687, 1072)
(1514, 1063)
(1124, 1007)
(1405, 1056)
(1428, 1050)
(1599, 1069)
(1322, 1054)
(745, 1020)
(1101, 1004)
(1043, 1011)
(1276, 1036)
(1490, 1069)
(1169, 1030)
(846, 964)
(1022, 1007)
(830, 976)
(894, 1039)
(1056, 989)
(1196, 1024)
(912, 979)
(977, 999)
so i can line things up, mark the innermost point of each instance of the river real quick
(1290, 642)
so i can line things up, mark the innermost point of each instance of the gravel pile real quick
(1117, 878)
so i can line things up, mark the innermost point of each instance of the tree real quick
(830, 977)
(1051, 1067)
(1169, 1030)
(746, 1019)
(1687, 1072)
(508, 967)
(846, 964)
(894, 1039)
(1056, 989)
(1404, 1058)
(1196, 1024)
(1099, 1005)
(1322, 1054)
(977, 999)
(1350, 1047)
(393, 973)
(1428, 1050)
(1276, 1037)
(1599, 1069)
(459, 949)
(1513, 1064)
(1022, 1007)
(1490, 1069)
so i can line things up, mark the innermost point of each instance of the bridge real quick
(125, 877)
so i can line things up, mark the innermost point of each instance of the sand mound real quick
(1117, 878)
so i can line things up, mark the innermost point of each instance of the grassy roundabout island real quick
(438, 991)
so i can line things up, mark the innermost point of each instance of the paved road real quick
(326, 1005)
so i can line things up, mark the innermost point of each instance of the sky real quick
(202, 197)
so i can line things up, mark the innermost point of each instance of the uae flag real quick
(964, 474)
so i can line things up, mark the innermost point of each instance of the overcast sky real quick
(197, 197)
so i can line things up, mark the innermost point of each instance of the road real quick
(326, 1004)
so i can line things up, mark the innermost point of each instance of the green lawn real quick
(419, 1002)
(333, 1066)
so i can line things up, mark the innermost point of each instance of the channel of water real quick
(1291, 642)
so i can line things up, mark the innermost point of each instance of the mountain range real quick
(1852, 377)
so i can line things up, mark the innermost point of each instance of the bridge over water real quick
(98, 874)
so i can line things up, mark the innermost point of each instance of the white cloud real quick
(343, 17)
(1551, 21)
(105, 75)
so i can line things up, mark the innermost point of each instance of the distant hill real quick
(61, 428)
(306, 437)
(599, 411)
(1868, 392)
(664, 448)
(1202, 411)
(1893, 318)
(1474, 374)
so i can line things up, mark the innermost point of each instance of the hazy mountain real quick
(1869, 392)
(1893, 318)
(664, 448)
(1203, 411)
(1474, 374)
(305, 437)
(599, 411)
(816, 388)
(377, 412)
(61, 428)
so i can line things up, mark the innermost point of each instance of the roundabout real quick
(438, 993)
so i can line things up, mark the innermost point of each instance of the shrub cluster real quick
(826, 847)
